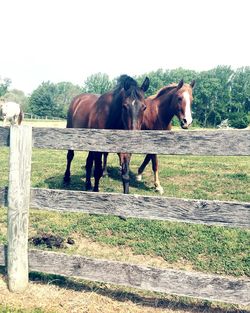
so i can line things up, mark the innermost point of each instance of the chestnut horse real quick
(121, 108)
(171, 100)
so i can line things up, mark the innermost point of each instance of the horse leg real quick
(88, 167)
(105, 157)
(155, 168)
(142, 167)
(70, 156)
(124, 161)
(98, 169)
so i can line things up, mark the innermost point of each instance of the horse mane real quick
(163, 90)
(126, 79)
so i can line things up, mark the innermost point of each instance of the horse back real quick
(80, 109)
(102, 115)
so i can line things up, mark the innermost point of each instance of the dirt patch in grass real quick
(89, 248)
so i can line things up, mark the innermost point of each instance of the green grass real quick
(209, 249)
(197, 177)
(8, 309)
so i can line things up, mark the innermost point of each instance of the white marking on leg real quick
(188, 114)
(139, 177)
(158, 187)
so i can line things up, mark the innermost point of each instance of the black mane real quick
(126, 80)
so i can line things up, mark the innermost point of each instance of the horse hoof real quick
(105, 174)
(159, 189)
(66, 180)
(88, 187)
(139, 177)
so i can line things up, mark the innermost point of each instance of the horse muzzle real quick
(184, 123)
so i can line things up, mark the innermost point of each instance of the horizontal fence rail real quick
(217, 142)
(193, 284)
(208, 212)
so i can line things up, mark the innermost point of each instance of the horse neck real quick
(158, 114)
(114, 120)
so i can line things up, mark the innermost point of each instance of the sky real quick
(68, 40)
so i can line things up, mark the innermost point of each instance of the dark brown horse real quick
(172, 100)
(121, 108)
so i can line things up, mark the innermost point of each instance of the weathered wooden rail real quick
(19, 197)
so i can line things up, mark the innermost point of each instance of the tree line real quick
(220, 94)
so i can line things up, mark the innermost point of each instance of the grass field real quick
(155, 243)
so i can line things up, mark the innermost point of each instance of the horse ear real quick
(127, 84)
(192, 84)
(181, 82)
(145, 84)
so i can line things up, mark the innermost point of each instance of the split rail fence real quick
(19, 197)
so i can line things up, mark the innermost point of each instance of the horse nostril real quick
(184, 121)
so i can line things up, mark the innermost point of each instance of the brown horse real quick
(172, 100)
(121, 108)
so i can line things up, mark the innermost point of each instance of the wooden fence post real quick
(18, 206)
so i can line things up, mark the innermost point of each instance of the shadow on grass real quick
(78, 181)
(174, 303)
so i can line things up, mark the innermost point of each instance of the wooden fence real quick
(19, 197)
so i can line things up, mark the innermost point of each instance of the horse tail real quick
(20, 117)
(69, 119)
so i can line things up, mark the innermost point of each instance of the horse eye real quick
(144, 107)
(179, 98)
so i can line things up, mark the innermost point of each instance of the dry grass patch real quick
(89, 248)
(45, 123)
(76, 296)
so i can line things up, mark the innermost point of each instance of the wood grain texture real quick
(221, 213)
(219, 142)
(191, 284)
(18, 206)
(4, 136)
(236, 214)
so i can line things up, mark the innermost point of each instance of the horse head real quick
(181, 103)
(133, 103)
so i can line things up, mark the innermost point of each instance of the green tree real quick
(240, 90)
(4, 85)
(64, 93)
(212, 96)
(42, 102)
(17, 96)
(53, 100)
(98, 83)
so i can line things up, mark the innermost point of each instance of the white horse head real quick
(11, 112)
